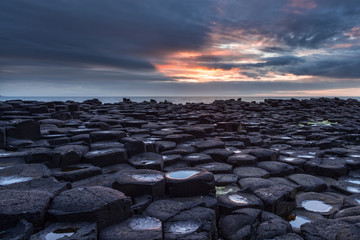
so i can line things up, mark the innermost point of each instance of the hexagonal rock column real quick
(142, 181)
(319, 203)
(189, 182)
(102, 205)
(135, 228)
(184, 220)
(97, 136)
(76, 172)
(81, 230)
(106, 157)
(147, 161)
(232, 201)
(16, 205)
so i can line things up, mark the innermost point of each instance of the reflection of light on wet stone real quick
(60, 233)
(193, 157)
(147, 177)
(165, 157)
(305, 156)
(147, 162)
(154, 139)
(349, 161)
(289, 152)
(299, 220)
(238, 199)
(184, 227)
(355, 181)
(235, 150)
(316, 206)
(2, 167)
(357, 200)
(353, 189)
(13, 179)
(144, 223)
(209, 166)
(149, 142)
(289, 159)
(182, 174)
(286, 138)
(355, 155)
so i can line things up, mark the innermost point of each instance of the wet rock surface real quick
(278, 169)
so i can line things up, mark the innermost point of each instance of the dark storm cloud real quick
(109, 33)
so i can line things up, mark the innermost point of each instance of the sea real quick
(175, 100)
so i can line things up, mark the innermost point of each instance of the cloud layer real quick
(197, 47)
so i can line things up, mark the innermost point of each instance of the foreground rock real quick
(102, 205)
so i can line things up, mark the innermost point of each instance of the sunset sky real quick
(180, 48)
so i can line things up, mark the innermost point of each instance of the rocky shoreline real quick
(279, 169)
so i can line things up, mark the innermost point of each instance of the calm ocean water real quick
(183, 100)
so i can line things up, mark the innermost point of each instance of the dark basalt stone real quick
(71, 154)
(50, 185)
(135, 228)
(30, 205)
(240, 159)
(219, 155)
(330, 229)
(102, 205)
(232, 201)
(138, 182)
(276, 169)
(21, 231)
(325, 167)
(255, 183)
(106, 157)
(189, 182)
(105, 145)
(245, 172)
(24, 129)
(147, 161)
(278, 199)
(208, 144)
(324, 204)
(50, 158)
(73, 231)
(263, 154)
(76, 172)
(97, 136)
(308, 182)
(197, 158)
(216, 167)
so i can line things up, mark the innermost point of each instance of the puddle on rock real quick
(60, 233)
(182, 174)
(305, 156)
(354, 181)
(289, 159)
(145, 223)
(147, 177)
(353, 189)
(147, 162)
(70, 169)
(236, 198)
(298, 221)
(316, 206)
(13, 179)
(184, 227)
